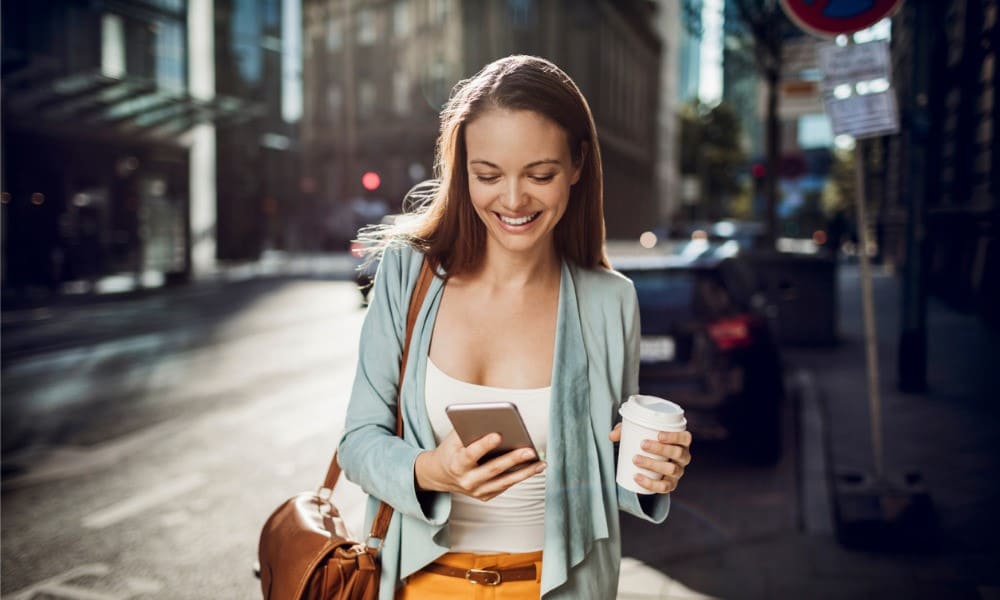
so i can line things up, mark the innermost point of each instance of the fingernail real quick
(527, 454)
(541, 467)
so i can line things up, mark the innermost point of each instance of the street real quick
(142, 460)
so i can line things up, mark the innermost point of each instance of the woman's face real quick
(520, 173)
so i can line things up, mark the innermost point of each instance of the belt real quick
(485, 576)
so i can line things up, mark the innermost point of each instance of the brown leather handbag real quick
(305, 551)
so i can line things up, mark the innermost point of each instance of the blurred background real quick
(182, 182)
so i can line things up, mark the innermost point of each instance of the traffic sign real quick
(830, 18)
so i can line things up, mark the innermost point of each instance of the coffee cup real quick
(643, 417)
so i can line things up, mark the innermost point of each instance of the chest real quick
(498, 339)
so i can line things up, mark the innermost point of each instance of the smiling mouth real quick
(520, 220)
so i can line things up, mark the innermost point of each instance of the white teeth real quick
(520, 221)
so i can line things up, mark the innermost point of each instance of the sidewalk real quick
(950, 435)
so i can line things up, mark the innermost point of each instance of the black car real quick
(706, 345)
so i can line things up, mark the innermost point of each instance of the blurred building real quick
(377, 73)
(120, 126)
(678, 24)
(945, 72)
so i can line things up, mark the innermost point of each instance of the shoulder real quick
(399, 264)
(604, 285)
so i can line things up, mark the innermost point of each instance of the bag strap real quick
(381, 522)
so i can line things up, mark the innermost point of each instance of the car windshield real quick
(671, 297)
(664, 291)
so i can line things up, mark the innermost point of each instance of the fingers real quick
(678, 454)
(657, 486)
(673, 454)
(616, 433)
(494, 476)
(479, 448)
(499, 484)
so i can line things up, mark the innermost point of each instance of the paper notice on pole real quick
(863, 116)
(855, 62)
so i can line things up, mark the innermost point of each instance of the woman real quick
(524, 309)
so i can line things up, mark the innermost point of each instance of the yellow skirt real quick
(425, 585)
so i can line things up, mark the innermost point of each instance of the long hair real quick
(445, 225)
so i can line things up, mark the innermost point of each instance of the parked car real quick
(706, 345)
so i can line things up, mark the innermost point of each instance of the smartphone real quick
(475, 420)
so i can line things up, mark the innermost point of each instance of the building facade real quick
(941, 171)
(118, 137)
(378, 72)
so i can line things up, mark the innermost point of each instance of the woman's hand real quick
(454, 468)
(673, 446)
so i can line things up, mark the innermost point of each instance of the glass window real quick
(439, 10)
(175, 6)
(334, 34)
(366, 27)
(401, 93)
(401, 18)
(522, 12)
(334, 100)
(271, 13)
(245, 28)
(112, 46)
(170, 72)
(366, 98)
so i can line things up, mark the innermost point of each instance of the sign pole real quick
(868, 307)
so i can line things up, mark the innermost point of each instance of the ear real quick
(578, 164)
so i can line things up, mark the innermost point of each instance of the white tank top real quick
(514, 521)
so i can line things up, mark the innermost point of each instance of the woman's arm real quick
(654, 507)
(370, 452)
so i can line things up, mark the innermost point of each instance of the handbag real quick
(305, 550)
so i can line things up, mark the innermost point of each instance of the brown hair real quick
(446, 227)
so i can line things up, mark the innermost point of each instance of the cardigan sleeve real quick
(653, 507)
(370, 452)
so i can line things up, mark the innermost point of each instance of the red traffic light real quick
(371, 181)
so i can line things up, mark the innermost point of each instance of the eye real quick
(487, 178)
(542, 178)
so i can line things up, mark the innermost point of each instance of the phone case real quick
(473, 421)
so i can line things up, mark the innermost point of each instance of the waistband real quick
(489, 569)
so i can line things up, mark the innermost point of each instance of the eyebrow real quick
(544, 161)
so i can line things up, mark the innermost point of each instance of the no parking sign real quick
(830, 18)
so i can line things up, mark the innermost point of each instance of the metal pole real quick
(868, 306)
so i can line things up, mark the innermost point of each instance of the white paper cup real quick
(643, 417)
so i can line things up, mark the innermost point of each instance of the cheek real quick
(481, 196)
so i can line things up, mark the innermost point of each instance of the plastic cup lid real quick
(653, 412)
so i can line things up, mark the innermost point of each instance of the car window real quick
(666, 292)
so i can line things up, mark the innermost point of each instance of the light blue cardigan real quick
(595, 367)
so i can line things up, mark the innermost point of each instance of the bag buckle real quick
(374, 543)
(486, 577)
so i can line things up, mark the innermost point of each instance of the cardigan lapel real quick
(574, 503)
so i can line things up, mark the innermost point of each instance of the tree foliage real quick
(711, 151)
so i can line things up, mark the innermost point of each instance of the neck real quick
(513, 269)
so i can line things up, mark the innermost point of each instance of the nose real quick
(514, 198)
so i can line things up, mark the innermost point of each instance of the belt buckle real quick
(493, 577)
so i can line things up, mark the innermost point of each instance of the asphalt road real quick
(145, 442)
